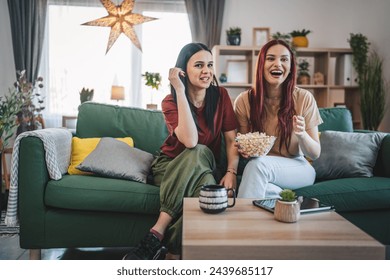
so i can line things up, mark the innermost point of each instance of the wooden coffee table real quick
(248, 232)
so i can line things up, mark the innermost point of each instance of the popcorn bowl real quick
(255, 144)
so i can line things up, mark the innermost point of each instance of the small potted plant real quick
(287, 207)
(152, 80)
(86, 95)
(283, 36)
(233, 36)
(303, 72)
(299, 38)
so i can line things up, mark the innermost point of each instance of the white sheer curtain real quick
(80, 61)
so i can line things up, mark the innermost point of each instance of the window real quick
(76, 57)
(162, 41)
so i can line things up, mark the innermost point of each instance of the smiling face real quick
(277, 65)
(200, 70)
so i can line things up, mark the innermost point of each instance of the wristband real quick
(231, 171)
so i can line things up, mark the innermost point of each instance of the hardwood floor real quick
(10, 250)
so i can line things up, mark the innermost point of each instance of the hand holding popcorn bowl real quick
(255, 144)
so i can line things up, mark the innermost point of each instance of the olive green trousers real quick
(181, 177)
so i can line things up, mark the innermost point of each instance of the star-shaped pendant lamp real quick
(121, 20)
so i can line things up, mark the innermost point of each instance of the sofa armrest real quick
(382, 167)
(32, 180)
(42, 155)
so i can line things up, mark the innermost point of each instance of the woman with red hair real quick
(275, 106)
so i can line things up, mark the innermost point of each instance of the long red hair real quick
(286, 111)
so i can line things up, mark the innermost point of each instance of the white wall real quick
(7, 64)
(331, 21)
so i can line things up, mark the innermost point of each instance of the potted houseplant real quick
(299, 38)
(86, 95)
(29, 116)
(283, 36)
(303, 72)
(152, 80)
(10, 105)
(372, 85)
(233, 36)
(19, 110)
(287, 207)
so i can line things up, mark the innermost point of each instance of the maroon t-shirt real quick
(224, 120)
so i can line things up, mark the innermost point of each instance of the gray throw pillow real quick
(115, 159)
(347, 154)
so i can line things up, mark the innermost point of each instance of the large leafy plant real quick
(373, 87)
(373, 93)
(20, 107)
(10, 105)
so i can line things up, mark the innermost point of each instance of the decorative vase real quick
(234, 40)
(223, 78)
(300, 41)
(286, 211)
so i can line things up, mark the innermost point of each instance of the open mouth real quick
(276, 73)
(205, 79)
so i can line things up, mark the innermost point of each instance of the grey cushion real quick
(347, 154)
(115, 159)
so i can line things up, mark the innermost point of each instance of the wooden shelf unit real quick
(325, 61)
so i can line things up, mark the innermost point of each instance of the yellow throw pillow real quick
(82, 147)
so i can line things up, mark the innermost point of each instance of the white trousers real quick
(266, 176)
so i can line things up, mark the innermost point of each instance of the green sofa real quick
(90, 211)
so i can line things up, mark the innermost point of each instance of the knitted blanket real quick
(57, 143)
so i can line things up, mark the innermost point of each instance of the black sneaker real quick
(150, 248)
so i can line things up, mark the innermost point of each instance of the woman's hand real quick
(308, 140)
(240, 151)
(229, 181)
(174, 79)
(299, 126)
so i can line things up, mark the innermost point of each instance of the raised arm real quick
(308, 139)
(186, 130)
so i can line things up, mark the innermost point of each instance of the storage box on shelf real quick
(334, 64)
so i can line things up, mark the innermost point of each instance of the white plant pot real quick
(287, 212)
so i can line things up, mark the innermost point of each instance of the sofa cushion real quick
(146, 127)
(82, 147)
(91, 193)
(347, 154)
(115, 159)
(336, 119)
(351, 194)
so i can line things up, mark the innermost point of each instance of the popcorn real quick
(255, 144)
